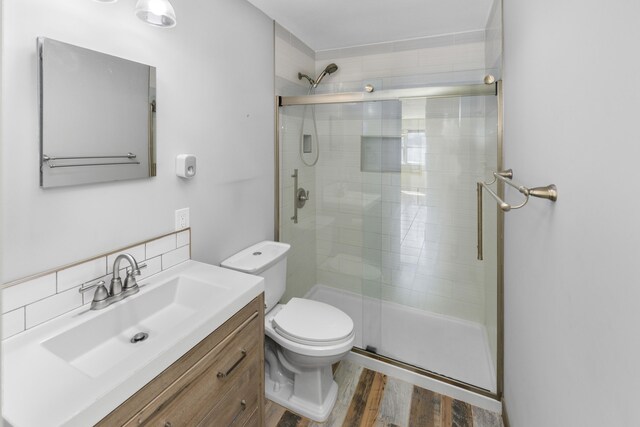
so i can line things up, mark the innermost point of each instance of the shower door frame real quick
(450, 91)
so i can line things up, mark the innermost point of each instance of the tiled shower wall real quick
(293, 56)
(30, 302)
(404, 237)
(493, 42)
(434, 60)
(381, 234)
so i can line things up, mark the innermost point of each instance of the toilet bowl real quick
(304, 337)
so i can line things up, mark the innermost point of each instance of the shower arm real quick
(309, 79)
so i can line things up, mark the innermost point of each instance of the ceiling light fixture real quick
(156, 12)
(159, 13)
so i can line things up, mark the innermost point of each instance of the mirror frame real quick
(107, 162)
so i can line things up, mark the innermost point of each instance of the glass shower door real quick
(433, 304)
(389, 232)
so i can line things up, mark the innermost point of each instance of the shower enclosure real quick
(388, 231)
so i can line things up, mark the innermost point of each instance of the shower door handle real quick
(479, 215)
(295, 196)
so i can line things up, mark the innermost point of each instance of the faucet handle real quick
(130, 285)
(100, 298)
(101, 293)
(84, 289)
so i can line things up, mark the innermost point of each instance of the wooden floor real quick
(367, 399)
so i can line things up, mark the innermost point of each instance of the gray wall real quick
(215, 99)
(572, 294)
(1, 178)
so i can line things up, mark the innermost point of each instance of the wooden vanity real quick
(219, 382)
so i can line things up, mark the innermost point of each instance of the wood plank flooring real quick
(370, 399)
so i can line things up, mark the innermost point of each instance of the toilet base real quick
(282, 394)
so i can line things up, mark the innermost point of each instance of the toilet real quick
(303, 337)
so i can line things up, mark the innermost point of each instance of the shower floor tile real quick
(367, 398)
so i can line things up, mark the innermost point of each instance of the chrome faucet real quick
(116, 290)
(103, 297)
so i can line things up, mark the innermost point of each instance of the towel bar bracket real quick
(549, 192)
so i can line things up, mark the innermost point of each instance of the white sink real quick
(77, 368)
(102, 342)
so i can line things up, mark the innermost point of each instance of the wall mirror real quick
(97, 116)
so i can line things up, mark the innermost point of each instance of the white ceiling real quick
(332, 24)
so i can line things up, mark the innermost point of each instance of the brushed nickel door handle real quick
(479, 216)
(243, 406)
(226, 374)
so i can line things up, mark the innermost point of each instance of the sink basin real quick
(99, 344)
(77, 368)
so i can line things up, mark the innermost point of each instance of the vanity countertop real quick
(49, 379)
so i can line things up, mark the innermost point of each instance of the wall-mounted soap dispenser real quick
(186, 165)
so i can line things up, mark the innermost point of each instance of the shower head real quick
(329, 69)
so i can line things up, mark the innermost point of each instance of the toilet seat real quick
(308, 348)
(313, 323)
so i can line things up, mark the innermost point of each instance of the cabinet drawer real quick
(254, 420)
(239, 404)
(193, 395)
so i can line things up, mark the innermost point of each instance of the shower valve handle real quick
(302, 196)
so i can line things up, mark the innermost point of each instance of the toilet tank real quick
(268, 260)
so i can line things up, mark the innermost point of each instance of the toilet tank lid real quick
(257, 258)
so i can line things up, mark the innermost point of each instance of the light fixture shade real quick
(156, 12)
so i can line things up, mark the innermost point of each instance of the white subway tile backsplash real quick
(54, 306)
(28, 292)
(79, 274)
(160, 246)
(154, 265)
(12, 322)
(172, 258)
(183, 238)
(32, 302)
(138, 252)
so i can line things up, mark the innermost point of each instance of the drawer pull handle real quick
(167, 424)
(226, 374)
(243, 406)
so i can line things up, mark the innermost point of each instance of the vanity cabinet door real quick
(196, 394)
(222, 386)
